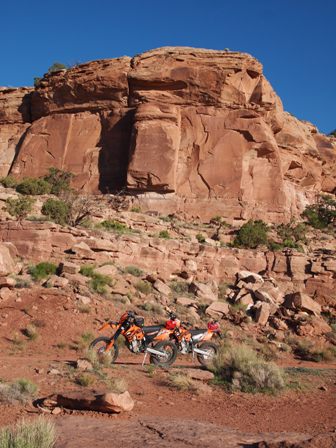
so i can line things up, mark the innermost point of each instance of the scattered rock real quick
(218, 309)
(69, 268)
(303, 302)
(84, 365)
(161, 287)
(203, 292)
(262, 313)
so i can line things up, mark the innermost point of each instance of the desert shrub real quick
(114, 226)
(240, 368)
(136, 209)
(57, 66)
(21, 391)
(332, 133)
(251, 235)
(20, 207)
(179, 287)
(117, 385)
(59, 180)
(56, 210)
(9, 182)
(152, 307)
(84, 380)
(291, 236)
(31, 332)
(38, 433)
(144, 287)
(310, 351)
(200, 238)
(322, 214)
(42, 270)
(33, 186)
(133, 270)
(222, 288)
(37, 80)
(181, 381)
(87, 270)
(164, 234)
(98, 282)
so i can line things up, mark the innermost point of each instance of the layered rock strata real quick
(191, 130)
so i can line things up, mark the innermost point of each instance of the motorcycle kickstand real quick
(144, 360)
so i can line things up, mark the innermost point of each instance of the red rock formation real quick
(201, 129)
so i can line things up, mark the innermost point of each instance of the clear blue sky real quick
(294, 39)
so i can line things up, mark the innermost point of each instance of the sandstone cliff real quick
(192, 130)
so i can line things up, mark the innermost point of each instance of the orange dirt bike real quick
(195, 341)
(139, 339)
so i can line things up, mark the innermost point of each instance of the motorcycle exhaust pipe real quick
(156, 352)
(201, 352)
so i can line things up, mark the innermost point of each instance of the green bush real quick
(332, 133)
(144, 287)
(164, 234)
(57, 66)
(20, 207)
(98, 281)
(56, 210)
(9, 182)
(133, 270)
(87, 270)
(310, 351)
(42, 270)
(322, 214)
(240, 368)
(114, 226)
(59, 180)
(21, 391)
(200, 238)
(38, 433)
(179, 287)
(37, 80)
(251, 235)
(33, 186)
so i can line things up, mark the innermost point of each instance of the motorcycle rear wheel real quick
(169, 348)
(99, 346)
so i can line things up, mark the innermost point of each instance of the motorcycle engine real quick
(184, 346)
(134, 345)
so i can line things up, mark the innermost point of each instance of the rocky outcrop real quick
(191, 130)
(14, 120)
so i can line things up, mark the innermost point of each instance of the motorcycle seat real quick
(196, 332)
(152, 328)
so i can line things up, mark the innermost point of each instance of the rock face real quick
(193, 127)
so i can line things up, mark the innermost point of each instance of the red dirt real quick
(311, 411)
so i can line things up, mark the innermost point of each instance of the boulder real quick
(82, 250)
(262, 313)
(217, 310)
(269, 293)
(203, 292)
(303, 302)
(107, 269)
(7, 264)
(57, 282)
(161, 287)
(186, 301)
(109, 403)
(66, 267)
(249, 277)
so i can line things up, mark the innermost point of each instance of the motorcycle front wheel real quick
(99, 346)
(211, 350)
(170, 352)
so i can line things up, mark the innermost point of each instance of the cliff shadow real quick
(114, 154)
